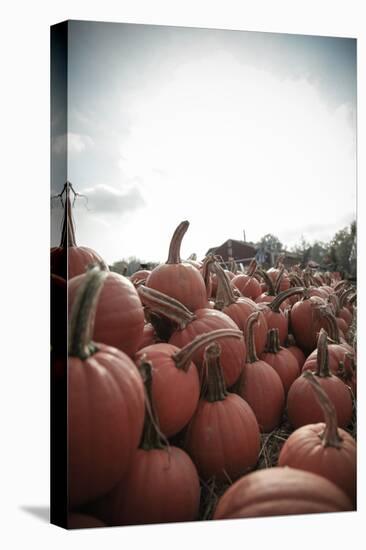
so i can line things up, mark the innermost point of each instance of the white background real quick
(24, 382)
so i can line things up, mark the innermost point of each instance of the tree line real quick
(338, 254)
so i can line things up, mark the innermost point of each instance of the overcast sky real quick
(230, 130)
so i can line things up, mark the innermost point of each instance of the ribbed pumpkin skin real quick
(285, 364)
(275, 320)
(248, 286)
(161, 486)
(306, 323)
(239, 313)
(281, 491)
(335, 353)
(119, 319)
(105, 420)
(298, 353)
(175, 392)
(262, 389)
(233, 352)
(181, 281)
(304, 450)
(303, 407)
(79, 258)
(83, 521)
(223, 436)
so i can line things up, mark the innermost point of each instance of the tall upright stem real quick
(83, 314)
(175, 243)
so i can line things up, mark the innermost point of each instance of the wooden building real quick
(232, 249)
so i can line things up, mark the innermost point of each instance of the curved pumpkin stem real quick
(224, 294)
(213, 383)
(169, 307)
(151, 435)
(333, 329)
(206, 266)
(322, 357)
(278, 279)
(83, 314)
(282, 296)
(175, 243)
(249, 337)
(330, 437)
(267, 279)
(183, 357)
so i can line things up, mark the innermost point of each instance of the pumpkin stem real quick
(295, 280)
(344, 296)
(151, 435)
(213, 384)
(249, 337)
(206, 266)
(252, 267)
(278, 279)
(282, 296)
(334, 303)
(267, 279)
(333, 329)
(169, 307)
(224, 293)
(273, 341)
(183, 357)
(175, 243)
(83, 314)
(330, 437)
(322, 357)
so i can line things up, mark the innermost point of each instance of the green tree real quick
(271, 243)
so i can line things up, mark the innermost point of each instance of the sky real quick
(233, 131)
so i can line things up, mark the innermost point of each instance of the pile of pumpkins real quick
(175, 373)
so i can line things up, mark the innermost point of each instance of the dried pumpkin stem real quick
(267, 279)
(213, 384)
(330, 437)
(322, 357)
(282, 296)
(172, 309)
(249, 337)
(273, 341)
(83, 314)
(175, 243)
(183, 357)
(151, 435)
(224, 294)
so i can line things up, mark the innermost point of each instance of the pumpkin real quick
(275, 317)
(176, 386)
(139, 276)
(105, 403)
(282, 360)
(223, 437)
(260, 385)
(247, 284)
(162, 483)
(188, 325)
(239, 309)
(281, 492)
(291, 344)
(68, 259)
(307, 320)
(179, 280)
(323, 448)
(302, 406)
(119, 319)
